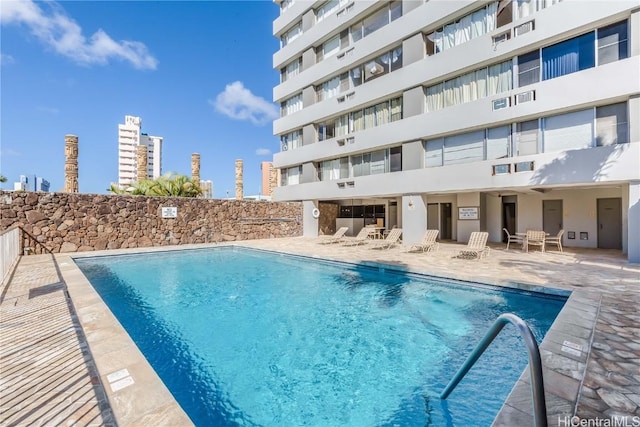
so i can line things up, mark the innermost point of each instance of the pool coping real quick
(126, 373)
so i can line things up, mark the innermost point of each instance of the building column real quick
(633, 221)
(414, 218)
(239, 180)
(71, 164)
(310, 223)
(467, 226)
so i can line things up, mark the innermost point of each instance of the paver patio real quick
(53, 368)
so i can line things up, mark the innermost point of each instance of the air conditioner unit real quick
(523, 97)
(374, 68)
(523, 29)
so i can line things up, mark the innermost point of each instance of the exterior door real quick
(445, 221)
(433, 217)
(610, 223)
(552, 216)
(508, 219)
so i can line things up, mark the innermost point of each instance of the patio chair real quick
(361, 238)
(335, 238)
(555, 240)
(535, 238)
(513, 238)
(428, 242)
(477, 246)
(390, 240)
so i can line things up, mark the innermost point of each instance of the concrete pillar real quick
(310, 224)
(633, 222)
(467, 226)
(414, 218)
(142, 162)
(239, 186)
(195, 168)
(71, 164)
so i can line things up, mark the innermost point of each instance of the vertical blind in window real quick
(464, 148)
(464, 29)
(567, 57)
(611, 124)
(498, 142)
(529, 68)
(433, 150)
(568, 131)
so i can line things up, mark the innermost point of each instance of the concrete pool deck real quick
(65, 359)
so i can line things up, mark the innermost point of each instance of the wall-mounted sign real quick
(169, 212)
(468, 213)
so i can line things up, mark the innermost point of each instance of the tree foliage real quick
(3, 178)
(168, 185)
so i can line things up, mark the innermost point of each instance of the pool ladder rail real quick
(535, 363)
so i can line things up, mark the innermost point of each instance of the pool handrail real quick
(535, 363)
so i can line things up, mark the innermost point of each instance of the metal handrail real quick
(535, 364)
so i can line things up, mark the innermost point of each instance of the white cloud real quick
(9, 153)
(263, 152)
(62, 34)
(239, 103)
(6, 59)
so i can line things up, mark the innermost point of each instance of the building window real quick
(612, 126)
(470, 87)
(385, 63)
(328, 48)
(612, 43)
(291, 105)
(286, 4)
(569, 56)
(291, 35)
(334, 169)
(468, 27)
(529, 68)
(332, 88)
(292, 69)
(291, 141)
(374, 22)
(291, 176)
(527, 133)
(328, 8)
(568, 131)
(377, 162)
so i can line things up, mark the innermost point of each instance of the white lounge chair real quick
(428, 242)
(535, 238)
(555, 240)
(392, 238)
(477, 246)
(335, 238)
(361, 238)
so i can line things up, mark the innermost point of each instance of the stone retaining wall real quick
(68, 222)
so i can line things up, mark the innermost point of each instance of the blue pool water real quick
(251, 338)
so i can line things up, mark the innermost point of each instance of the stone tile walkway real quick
(591, 355)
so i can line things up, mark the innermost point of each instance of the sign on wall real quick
(468, 213)
(169, 212)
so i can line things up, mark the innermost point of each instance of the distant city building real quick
(207, 189)
(130, 135)
(39, 184)
(269, 179)
(22, 185)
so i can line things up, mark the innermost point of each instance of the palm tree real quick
(168, 185)
(3, 178)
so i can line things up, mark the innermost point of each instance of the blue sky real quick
(198, 73)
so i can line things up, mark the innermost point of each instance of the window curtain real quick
(492, 12)
(525, 8)
(377, 162)
(342, 125)
(369, 117)
(330, 88)
(433, 149)
(463, 30)
(500, 78)
(611, 124)
(356, 164)
(435, 98)
(438, 41)
(396, 58)
(569, 56)
(449, 95)
(358, 121)
(382, 113)
(568, 131)
(293, 175)
(478, 22)
(481, 82)
(498, 142)
(396, 109)
(449, 37)
(468, 87)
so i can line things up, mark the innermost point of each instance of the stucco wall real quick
(67, 222)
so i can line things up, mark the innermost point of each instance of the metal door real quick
(610, 223)
(552, 216)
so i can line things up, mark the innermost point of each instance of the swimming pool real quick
(246, 337)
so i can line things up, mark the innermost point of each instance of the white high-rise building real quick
(463, 116)
(129, 137)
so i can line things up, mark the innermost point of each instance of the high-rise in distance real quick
(463, 116)
(130, 135)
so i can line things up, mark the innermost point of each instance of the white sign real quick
(170, 212)
(467, 213)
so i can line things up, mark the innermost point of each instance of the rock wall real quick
(70, 222)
